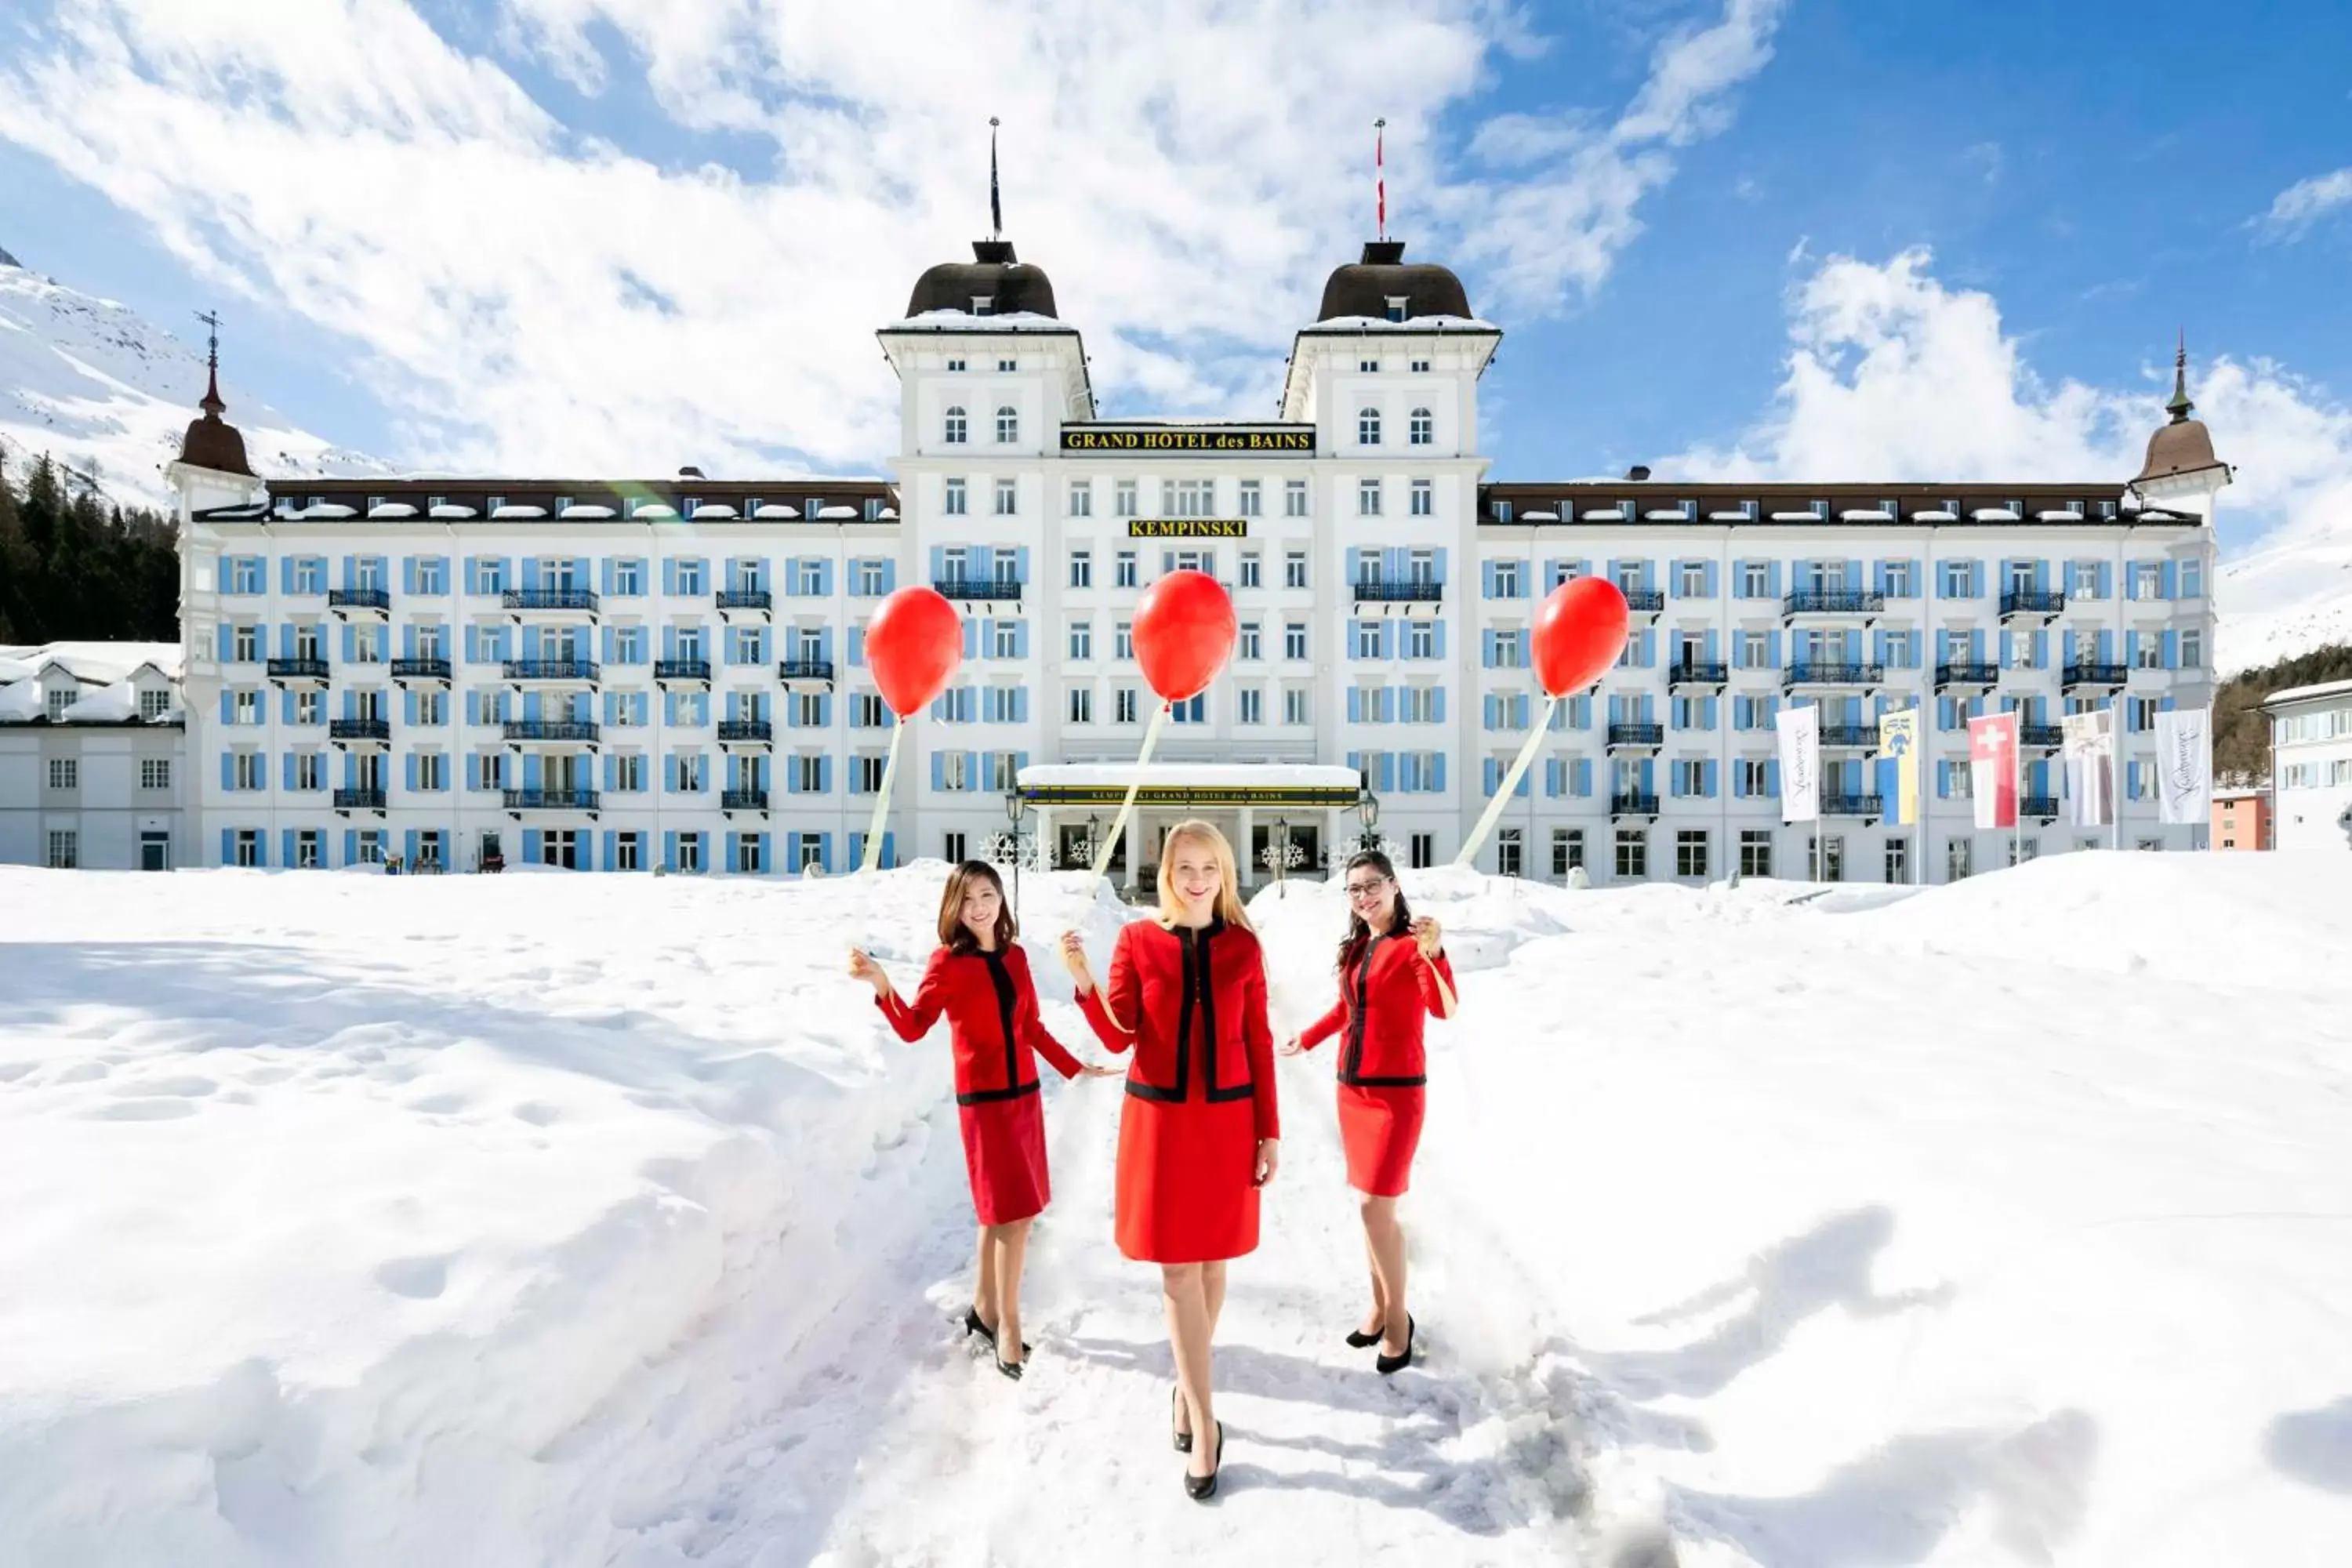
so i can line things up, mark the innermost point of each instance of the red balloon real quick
(1184, 632)
(1579, 631)
(913, 645)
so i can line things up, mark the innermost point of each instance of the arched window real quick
(1008, 426)
(954, 435)
(1422, 429)
(1368, 426)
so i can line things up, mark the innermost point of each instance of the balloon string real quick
(882, 801)
(1127, 806)
(1510, 781)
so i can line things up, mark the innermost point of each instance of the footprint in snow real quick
(418, 1279)
(537, 1113)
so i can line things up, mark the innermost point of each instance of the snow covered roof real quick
(20, 701)
(95, 663)
(1994, 514)
(107, 705)
(451, 511)
(836, 512)
(1540, 517)
(512, 509)
(708, 509)
(1938, 515)
(1667, 514)
(1603, 514)
(965, 322)
(2292, 694)
(654, 508)
(328, 509)
(1867, 514)
(1206, 777)
(391, 509)
(773, 512)
(1410, 324)
(590, 513)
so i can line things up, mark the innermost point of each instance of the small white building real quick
(2311, 768)
(93, 754)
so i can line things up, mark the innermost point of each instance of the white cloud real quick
(1893, 375)
(519, 293)
(2301, 205)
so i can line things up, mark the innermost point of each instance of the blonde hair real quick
(1229, 892)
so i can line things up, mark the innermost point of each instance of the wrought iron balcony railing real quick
(1396, 591)
(298, 669)
(359, 729)
(805, 669)
(1965, 673)
(420, 669)
(359, 599)
(1637, 735)
(550, 599)
(551, 799)
(1633, 805)
(551, 729)
(551, 669)
(2029, 602)
(1832, 601)
(1811, 673)
(746, 730)
(667, 669)
(743, 800)
(359, 800)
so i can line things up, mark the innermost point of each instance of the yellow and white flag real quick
(1898, 742)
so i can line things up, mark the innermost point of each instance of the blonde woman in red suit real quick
(1392, 972)
(979, 978)
(1198, 1137)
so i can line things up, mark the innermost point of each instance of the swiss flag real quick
(1992, 769)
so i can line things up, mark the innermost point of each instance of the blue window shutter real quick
(1021, 639)
(972, 640)
(825, 775)
(228, 767)
(1487, 579)
(408, 770)
(1490, 775)
(939, 769)
(1437, 705)
(1439, 644)
(2171, 647)
(2131, 648)
(1356, 762)
(939, 563)
(351, 846)
(1437, 778)
(1355, 705)
(1487, 649)
(1388, 704)
(1388, 771)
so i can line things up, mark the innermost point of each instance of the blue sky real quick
(1829, 236)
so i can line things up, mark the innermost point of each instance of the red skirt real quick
(1186, 1187)
(1004, 1150)
(1379, 1128)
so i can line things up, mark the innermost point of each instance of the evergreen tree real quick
(75, 567)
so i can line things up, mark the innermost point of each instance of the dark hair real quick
(956, 936)
(1359, 935)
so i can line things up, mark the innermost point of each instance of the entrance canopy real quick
(1301, 785)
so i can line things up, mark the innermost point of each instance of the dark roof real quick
(1009, 284)
(1365, 288)
(210, 443)
(1567, 501)
(2183, 446)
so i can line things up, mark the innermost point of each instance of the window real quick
(1368, 367)
(1123, 569)
(1567, 850)
(310, 771)
(1251, 709)
(1420, 640)
(1082, 569)
(2147, 580)
(1424, 501)
(1294, 570)
(306, 574)
(1123, 705)
(154, 702)
(246, 847)
(1081, 498)
(1081, 704)
(64, 773)
(493, 769)
(2192, 648)
(2192, 579)
(686, 772)
(1123, 499)
(1755, 851)
(1123, 640)
(689, 851)
(154, 773)
(1008, 497)
(1506, 648)
(1504, 577)
(1294, 498)
(2149, 654)
(1368, 639)
(1690, 852)
(1957, 579)
(1632, 853)
(1008, 425)
(1828, 857)
(1253, 640)
(1897, 577)
(1689, 777)
(432, 771)
(1754, 779)
(955, 770)
(1252, 498)
(955, 364)
(1421, 429)
(1189, 497)
(2020, 850)
(1252, 569)
(245, 643)
(1508, 844)
(689, 576)
(1368, 497)
(2139, 715)
(245, 770)
(1007, 367)
(955, 507)
(1420, 705)
(629, 774)
(1691, 580)
(1955, 860)
(1295, 706)
(1898, 860)
(1082, 640)
(65, 851)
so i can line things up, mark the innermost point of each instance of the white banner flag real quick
(1801, 763)
(2184, 763)
(2088, 743)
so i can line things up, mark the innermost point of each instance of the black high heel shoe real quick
(1011, 1369)
(973, 1325)
(1358, 1340)
(1200, 1488)
(1183, 1440)
(1387, 1364)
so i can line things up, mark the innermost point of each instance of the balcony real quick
(735, 800)
(1636, 737)
(1965, 675)
(682, 672)
(1650, 602)
(560, 603)
(350, 800)
(745, 601)
(1832, 603)
(2041, 737)
(1809, 673)
(542, 731)
(1698, 672)
(360, 732)
(551, 672)
(1001, 588)
(746, 732)
(2043, 806)
(407, 669)
(1633, 806)
(808, 669)
(1865, 806)
(2107, 675)
(298, 671)
(1396, 591)
(346, 602)
(1849, 737)
(518, 801)
(2023, 604)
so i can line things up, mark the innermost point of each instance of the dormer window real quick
(955, 364)
(1368, 367)
(1007, 367)
(1421, 367)
(1396, 307)
(983, 304)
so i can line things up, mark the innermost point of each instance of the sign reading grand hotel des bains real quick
(1205, 440)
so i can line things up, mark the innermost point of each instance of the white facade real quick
(1384, 591)
(2311, 769)
(93, 757)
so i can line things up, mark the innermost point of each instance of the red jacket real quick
(1383, 994)
(1192, 1005)
(993, 1020)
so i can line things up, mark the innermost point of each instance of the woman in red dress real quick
(1393, 972)
(980, 979)
(1198, 1137)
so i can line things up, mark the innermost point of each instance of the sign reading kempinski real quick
(1188, 528)
(1296, 440)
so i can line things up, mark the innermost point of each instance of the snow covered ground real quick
(549, 1219)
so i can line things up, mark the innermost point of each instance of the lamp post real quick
(1279, 855)
(1094, 839)
(1013, 807)
(1368, 807)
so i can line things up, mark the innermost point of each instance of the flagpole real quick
(2016, 792)
(1381, 175)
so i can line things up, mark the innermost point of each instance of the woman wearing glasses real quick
(1197, 1138)
(1393, 972)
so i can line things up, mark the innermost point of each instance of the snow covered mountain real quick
(2291, 594)
(108, 394)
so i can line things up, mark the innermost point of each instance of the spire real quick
(2179, 405)
(995, 201)
(1380, 177)
(211, 443)
(211, 404)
